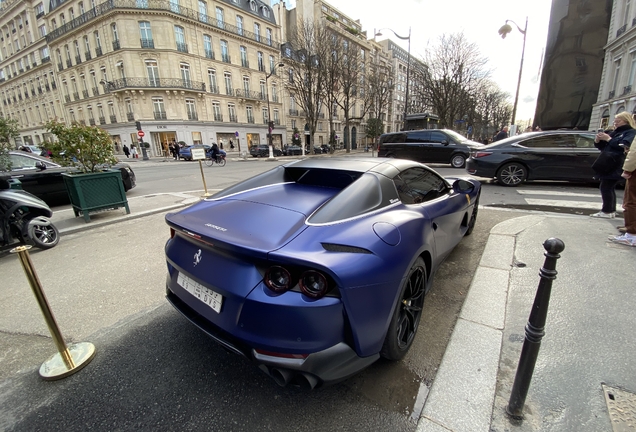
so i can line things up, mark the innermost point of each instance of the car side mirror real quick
(40, 165)
(445, 142)
(463, 186)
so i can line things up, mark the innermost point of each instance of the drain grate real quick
(621, 405)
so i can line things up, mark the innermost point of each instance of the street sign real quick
(236, 134)
(141, 134)
(198, 153)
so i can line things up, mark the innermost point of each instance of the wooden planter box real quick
(94, 192)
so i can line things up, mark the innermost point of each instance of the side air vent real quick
(342, 248)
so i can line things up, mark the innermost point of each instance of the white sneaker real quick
(616, 237)
(604, 215)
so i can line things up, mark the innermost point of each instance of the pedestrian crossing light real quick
(138, 125)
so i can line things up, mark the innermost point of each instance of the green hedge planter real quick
(94, 192)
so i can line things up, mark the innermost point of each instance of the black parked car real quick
(428, 146)
(262, 150)
(293, 150)
(549, 155)
(43, 178)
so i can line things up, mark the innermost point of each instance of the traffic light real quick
(138, 125)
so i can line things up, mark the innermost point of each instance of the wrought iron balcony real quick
(229, 91)
(218, 117)
(226, 58)
(612, 94)
(46, 86)
(76, 96)
(247, 94)
(116, 45)
(214, 89)
(67, 98)
(60, 67)
(78, 59)
(123, 83)
(160, 115)
(274, 97)
(627, 89)
(130, 116)
(82, 122)
(193, 116)
(245, 63)
(40, 90)
(261, 68)
(85, 93)
(113, 118)
(277, 122)
(250, 119)
(69, 63)
(96, 13)
(209, 54)
(98, 51)
(102, 120)
(91, 121)
(44, 60)
(87, 56)
(95, 91)
(233, 118)
(181, 47)
(146, 43)
(39, 15)
(53, 84)
(293, 112)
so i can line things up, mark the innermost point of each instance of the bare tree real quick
(306, 81)
(454, 73)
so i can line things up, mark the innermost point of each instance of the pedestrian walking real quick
(126, 151)
(133, 152)
(608, 166)
(231, 145)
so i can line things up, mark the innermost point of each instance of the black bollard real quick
(534, 329)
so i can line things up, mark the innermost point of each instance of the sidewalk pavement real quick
(588, 336)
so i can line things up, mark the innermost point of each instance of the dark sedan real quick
(262, 150)
(549, 155)
(43, 178)
(186, 152)
(293, 150)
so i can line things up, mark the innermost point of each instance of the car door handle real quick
(17, 176)
(434, 226)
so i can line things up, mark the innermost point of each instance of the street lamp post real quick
(503, 31)
(408, 68)
(270, 122)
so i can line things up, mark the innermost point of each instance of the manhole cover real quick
(621, 405)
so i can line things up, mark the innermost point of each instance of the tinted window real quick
(438, 137)
(393, 138)
(19, 161)
(584, 141)
(550, 141)
(417, 185)
(418, 136)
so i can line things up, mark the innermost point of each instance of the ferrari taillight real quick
(278, 279)
(313, 284)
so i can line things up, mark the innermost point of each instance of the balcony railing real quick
(44, 60)
(214, 89)
(233, 118)
(123, 83)
(245, 63)
(147, 43)
(102, 120)
(116, 45)
(250, 119)
(181, 47)
(69, 63)
(274, 97)
(78, 59)
(277, 122)
(67, 98)
(87, 56)
(226, 58)
(228, 91)
(621, 30)
(247, 94)
(95, 91)
(113, 118)
(293, 112)
(193, 116)
(39, 15)
(91, 121)
(85, 93)
(209, 54)
(160, 115)
(46, 87)
(612, 94)
(130, 116)
(218, 117)
(627, 89)
(98, 51)
(76, 96)
(53, 84)
(60, 67)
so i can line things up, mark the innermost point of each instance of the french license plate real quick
(207, 296)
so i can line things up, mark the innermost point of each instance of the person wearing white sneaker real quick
(612, 146)
(629, 198)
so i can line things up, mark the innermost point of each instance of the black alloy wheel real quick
(512, 174)
(407, 314)
(44, 236)
(458, 161)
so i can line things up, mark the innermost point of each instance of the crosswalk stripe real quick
(571, 194)
(571, 204)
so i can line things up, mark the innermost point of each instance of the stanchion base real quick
(55, 368)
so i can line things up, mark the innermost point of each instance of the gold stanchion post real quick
(69, 359)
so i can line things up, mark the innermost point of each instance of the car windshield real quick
(457, 137)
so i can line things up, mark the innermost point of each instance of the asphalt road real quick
(155, 371)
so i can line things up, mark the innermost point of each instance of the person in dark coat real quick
(126, 151)
(503, 133)
(615, 143)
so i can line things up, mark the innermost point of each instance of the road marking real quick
(570, 204)
(571, 194)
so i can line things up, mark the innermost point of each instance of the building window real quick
(159, 108)
(225, 56)
(231, 108)
(216, 109)
(191, 109)
(212, 79)
(228, 83)
(239, 25)
(268, 33)
(174, 6)
(219, 18)
(179, 36)
(261, 65)
(207, 46)
(153, 73)
(185, 75)
(250, 114)
(246, 85)
(203, 11)
(257, 32)
(244, 61)
(146, 35)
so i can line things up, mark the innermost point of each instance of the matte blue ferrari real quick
(318, 267)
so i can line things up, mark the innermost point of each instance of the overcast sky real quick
(479, 20)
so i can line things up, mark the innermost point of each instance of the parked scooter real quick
(25, 220)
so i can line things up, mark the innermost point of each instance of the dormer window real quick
(253, 5)
(266, 12)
